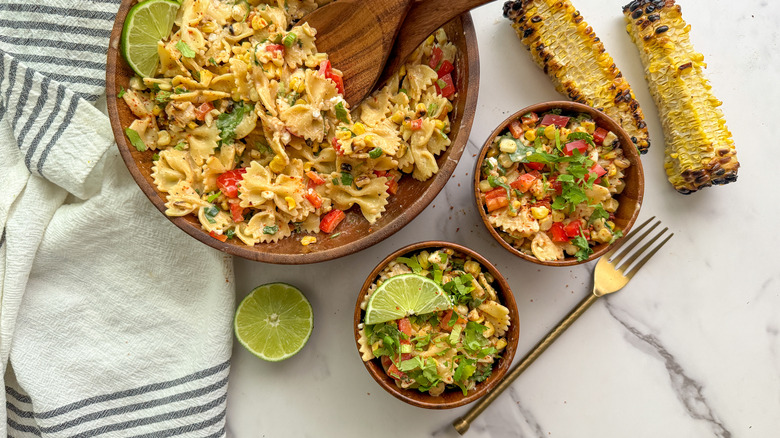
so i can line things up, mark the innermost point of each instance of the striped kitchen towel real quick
(113, 322)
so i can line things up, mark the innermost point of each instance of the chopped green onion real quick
(375, 153)
(290, 39)
(341, 112)
(346, 178)
(270, 230)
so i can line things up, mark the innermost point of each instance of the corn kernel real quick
(359, 128)
(402, 71)
(501, 344)
(290, 202)
(307, 166)
(343, 135)
(508, 146)
(307, 240)
(612, 170)
(429, 40)
(163, 138)
(529, 134)
(258, 22)
(300, 101)
(472, 267)
(540, 212)
(484, 186)
(420, 107)
(369, 140)
(589, 126)
(505, 161)
(487, 333)
(549, 132)
(277, 164)
(611, 225)
(439, 124)
(516, 204)
(397, 117)
(192, 125)
(156, 110)
(209, 27)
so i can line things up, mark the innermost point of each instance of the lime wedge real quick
(147, 23)
(404, 295)
(274, 321)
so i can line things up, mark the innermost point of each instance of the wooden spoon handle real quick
(424, 17)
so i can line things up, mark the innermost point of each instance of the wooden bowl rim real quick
(451, 399)
(470, 54)
(629, 152)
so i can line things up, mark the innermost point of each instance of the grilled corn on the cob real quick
(571, 54)
(699, 147)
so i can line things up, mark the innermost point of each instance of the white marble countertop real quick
(689, 349)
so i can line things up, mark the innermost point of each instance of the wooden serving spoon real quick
(358, 36)
(370, 39)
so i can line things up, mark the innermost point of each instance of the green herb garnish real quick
(186, 51)
(135, 139)
(273, 229)
(227, 122)
(341, 113)
(211, 212)
(375, 153)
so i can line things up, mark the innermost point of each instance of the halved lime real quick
(147, 23)
(274, 321)
(404, 295)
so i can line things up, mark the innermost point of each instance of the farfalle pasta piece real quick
(212, 219)
(424, 162)
(372, 198)
(418, 78)
(147, 130)
(364, 348)
(203, 142)
(182, 200)
(521, 223)
(497, 314)
(304, 121)
(544, 249)
(266, 226)
(302, 48)
(171, 168)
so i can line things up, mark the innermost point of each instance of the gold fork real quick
(608, 278)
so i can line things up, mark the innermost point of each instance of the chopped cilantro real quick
(135, 139)
(156, 157)
(186, 51)
(411, 262)
(121, 93)
(598, 213)
(212, 62)
(270, 229)
(211, 212)
(180, 146)
(346, 178)
(227, 122)
(584, 250)
(162, 96)
(341, 113)
(581, 136)
(230, 233)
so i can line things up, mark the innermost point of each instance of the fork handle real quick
(462, 424)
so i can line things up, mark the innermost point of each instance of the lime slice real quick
(147, 23)
(404, 295)
(274, 321)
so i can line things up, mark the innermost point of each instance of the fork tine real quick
(625, 238)
(641, 250)
(634, 244)
(641, 263)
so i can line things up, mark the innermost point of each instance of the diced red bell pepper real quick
(436, 55)
(556, 185)
(337, 146)
(572, 229)
(524, 182)
(598, 136)
(580, 145)
(274, 48)
(449, 87)
(228, 182)
(329, 222)
(529, 119)
(202, 110)
(220, 237)
(237, 212)
(516, 128)
(535, 166)
(405, 326)
(380, 173)
(598, 171)
(446, 67)
(392, 186)
(315, 178)
(495, 199)
(554, 119)
(557, 232)
(416, 124)
(327, 71)
(313, 197)
(444, 323)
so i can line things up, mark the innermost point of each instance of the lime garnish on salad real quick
(274, 321)
(404, 295)
(146, 24)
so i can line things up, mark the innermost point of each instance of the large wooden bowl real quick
(449, 398)
(355, 233)
(630, 199)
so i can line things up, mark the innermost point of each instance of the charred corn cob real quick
(568, 50)
(699, 148)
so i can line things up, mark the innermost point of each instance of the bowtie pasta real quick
(252, 134)
(441, 350)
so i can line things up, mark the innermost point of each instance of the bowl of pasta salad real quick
(557, 183)
(242, 137)
(442, 356)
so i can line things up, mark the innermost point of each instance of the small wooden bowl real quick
(355, 233)
(630, 199)
(448, 399)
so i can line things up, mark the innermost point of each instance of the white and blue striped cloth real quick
(113, 322)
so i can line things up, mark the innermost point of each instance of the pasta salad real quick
(452, 349)
(251, 132)
(547, 184)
